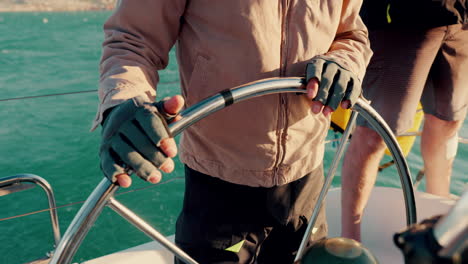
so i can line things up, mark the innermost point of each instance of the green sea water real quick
(56, 53)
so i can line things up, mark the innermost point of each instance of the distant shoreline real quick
(51, 11)
(28, 8)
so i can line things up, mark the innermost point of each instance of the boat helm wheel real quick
(103, 194)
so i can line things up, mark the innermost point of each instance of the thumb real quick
(174, 104)
(124, 180)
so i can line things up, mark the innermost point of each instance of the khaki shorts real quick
(410, 66)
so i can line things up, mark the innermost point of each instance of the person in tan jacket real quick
(254, 169)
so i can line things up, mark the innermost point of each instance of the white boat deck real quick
(384, 216)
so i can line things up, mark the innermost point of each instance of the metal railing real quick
(16, 181)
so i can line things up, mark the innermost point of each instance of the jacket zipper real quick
(282, 114)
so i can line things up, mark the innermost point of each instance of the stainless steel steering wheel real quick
(104, 192)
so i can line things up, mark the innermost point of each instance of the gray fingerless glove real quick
(131, 136)
(336, 84)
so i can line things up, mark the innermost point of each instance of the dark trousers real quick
(223, 222)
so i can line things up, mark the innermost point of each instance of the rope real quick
(44, 95)
(60, 94)
(80, 202)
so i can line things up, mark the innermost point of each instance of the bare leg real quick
(360, 168)
(438, 153)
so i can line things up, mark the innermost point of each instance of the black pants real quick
(223, 222)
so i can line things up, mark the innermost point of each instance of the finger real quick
(168, 166)
(314, 70)
(326, 82)
(327, 111)
(141, 143)
(312, 88)
(142, 168)
(155, 177)
(168, 146)
(316, 107)
(174, 105)
(338, 89)
(346, 104)
(124, 180)
(153, 126)
(353, 91)
(109, 166)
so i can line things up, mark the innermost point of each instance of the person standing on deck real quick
(252, 170)
(420, 54)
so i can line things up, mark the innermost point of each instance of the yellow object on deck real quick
(340, 118)
(406, 141)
